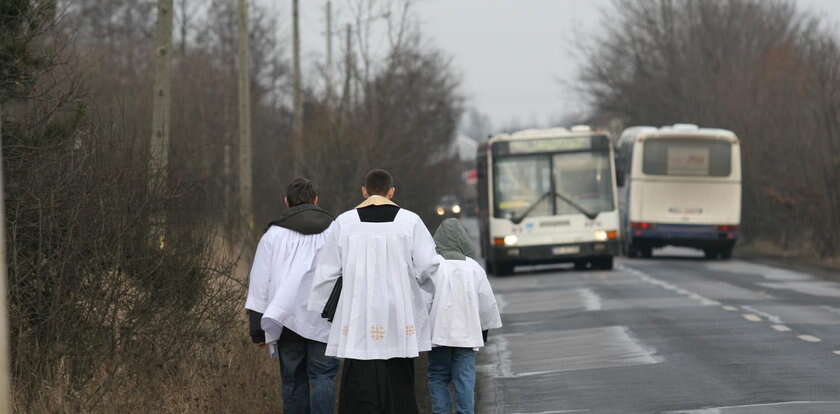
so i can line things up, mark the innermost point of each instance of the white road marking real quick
(752, 318)
(780, 328)
(813, 288)
(770, 317)
(591, 301)
(809, 338)
(549, 300)
(668, 286)
(759, 408)
(767, 272)
(836, 352)
(730, 308)
(520, 355)
(555, 412)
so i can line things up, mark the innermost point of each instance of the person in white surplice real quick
(464, 308)
(280, 281)
(384, 255)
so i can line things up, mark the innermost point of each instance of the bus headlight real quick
(456, 209)
(511, 240)
(440, 211)
(602, 235)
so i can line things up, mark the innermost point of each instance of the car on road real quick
(448, 206)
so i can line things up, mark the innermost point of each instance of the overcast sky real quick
(515, 57)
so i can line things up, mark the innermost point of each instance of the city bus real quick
(679, 186)
(548, 196)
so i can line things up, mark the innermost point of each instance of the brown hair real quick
(300, 191)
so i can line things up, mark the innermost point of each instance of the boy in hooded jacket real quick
(463, 309)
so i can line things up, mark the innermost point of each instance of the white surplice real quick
(281, 279)
(463, 306)
(383, 310)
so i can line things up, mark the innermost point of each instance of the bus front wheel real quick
(603, 263)
(503, 269)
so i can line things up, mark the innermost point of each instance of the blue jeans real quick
(303, 365)
(455, 365)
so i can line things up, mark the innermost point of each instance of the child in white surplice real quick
(463, 309)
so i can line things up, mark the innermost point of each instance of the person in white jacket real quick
(463, 309)
(279, 284)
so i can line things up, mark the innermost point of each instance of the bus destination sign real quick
(560, 144)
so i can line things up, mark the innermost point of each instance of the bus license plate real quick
(566, 250)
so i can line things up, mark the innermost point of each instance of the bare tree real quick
(761, 68)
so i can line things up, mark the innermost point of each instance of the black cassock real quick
(378, 387)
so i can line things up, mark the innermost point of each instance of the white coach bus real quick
(548, 196)
(680, 186)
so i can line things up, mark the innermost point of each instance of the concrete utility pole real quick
(159, 150)
(159, 145)
(246, 181)
(297, 134)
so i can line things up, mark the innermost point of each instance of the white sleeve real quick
(488, 309)
(327, 269)
(423, 254)
(260, 278)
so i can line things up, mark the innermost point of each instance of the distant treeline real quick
(764, 69)
(107, 317)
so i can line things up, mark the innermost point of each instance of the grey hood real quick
(452, 240)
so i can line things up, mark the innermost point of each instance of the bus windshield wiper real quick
(590, 215)
(517, 220)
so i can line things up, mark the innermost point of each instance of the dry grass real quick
(228, 375)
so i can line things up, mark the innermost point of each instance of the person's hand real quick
(262, 345)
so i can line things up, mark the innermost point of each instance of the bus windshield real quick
(582, 177)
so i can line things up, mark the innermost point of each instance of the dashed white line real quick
(751, 317)
(668, 286)
(836, 352)
(780, 328)
(770, 317)
(809, 338)
(730, 308)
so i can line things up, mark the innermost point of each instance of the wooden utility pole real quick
(346, 98)
(5, 394)
(246, 180)
(329, 65)
(161, 103)
(297, 127)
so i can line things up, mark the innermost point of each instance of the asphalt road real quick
(673, 334)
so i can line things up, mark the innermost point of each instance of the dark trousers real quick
(308, 376)
(378, 387)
